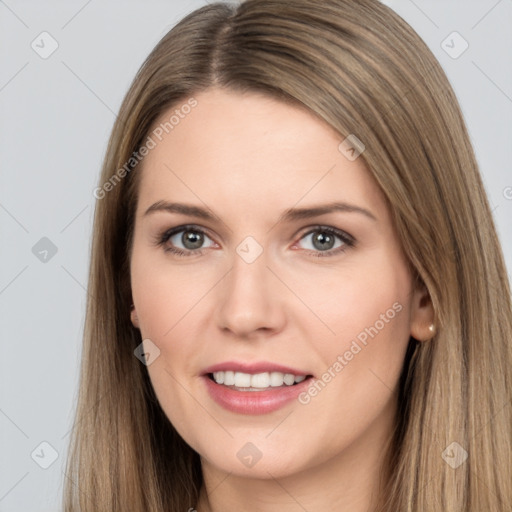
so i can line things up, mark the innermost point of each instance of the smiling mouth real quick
(264, 381)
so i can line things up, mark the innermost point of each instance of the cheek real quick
(357, 330)
(165, 292)
(358, 300)
(169, 300)
(366, 314)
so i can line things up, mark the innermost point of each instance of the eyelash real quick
(348, 241)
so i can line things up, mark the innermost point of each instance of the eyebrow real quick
(289, 215)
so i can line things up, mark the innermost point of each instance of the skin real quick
(248, 158)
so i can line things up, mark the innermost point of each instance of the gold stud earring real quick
(432, 329)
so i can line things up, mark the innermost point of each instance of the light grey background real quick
(56, 115)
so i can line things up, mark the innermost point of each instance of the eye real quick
(327, 241)
(189, 240)
(184, 240)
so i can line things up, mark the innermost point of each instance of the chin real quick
(259, 458)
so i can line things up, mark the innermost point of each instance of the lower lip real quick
(254, 402)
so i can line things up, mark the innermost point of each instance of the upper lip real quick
(253, 368)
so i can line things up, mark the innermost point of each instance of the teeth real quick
(289, 379)
(218, 377)
(242, 380)
(276, 379)
(258, 380)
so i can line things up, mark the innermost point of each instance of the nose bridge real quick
(249, 300)
(249, 272)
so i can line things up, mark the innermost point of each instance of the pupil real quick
(323, 241)
(192, 239)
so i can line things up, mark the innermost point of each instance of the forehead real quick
(232, 147)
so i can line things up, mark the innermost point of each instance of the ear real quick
(134, 318)
(423, 327)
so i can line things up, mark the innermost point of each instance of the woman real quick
(297, 294)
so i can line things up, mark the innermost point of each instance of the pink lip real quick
(253, 368)
(253, 402)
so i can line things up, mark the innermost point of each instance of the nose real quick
(250, 300)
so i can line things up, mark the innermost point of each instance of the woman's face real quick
(287, 270)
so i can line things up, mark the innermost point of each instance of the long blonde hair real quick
(359, 67)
